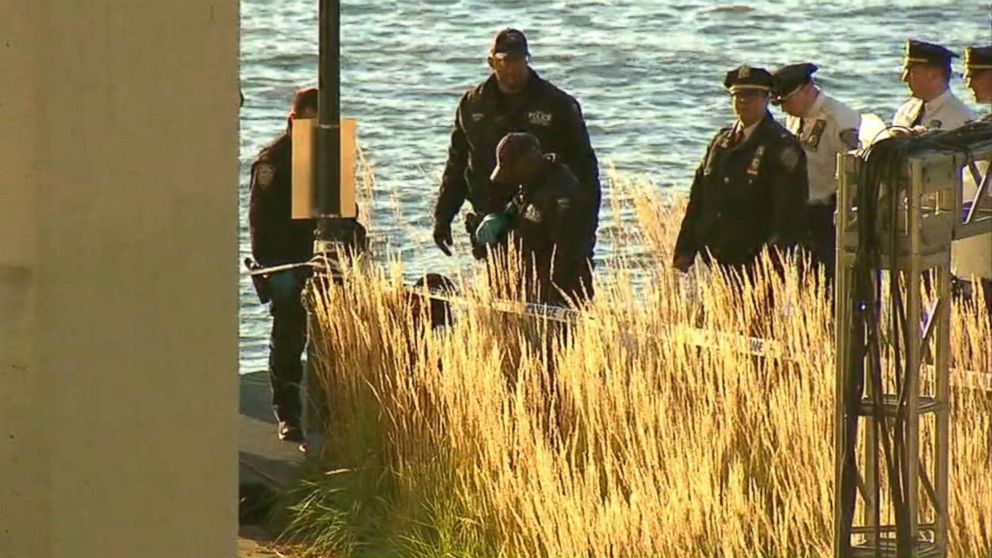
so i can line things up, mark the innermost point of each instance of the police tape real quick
(696, 337)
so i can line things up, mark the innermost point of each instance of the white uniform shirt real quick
(971, 256)
(822, 140)
(945, 112)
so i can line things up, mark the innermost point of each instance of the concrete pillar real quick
(118, 278)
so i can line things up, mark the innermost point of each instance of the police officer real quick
(824, 127)
(277, 239)
(927, 72)
(972, 257)
(750, 189)
(513, 99)
(978, 74)
(541, 218)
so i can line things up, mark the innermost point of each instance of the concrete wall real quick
(118, 278)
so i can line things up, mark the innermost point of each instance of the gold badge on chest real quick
(752, 170)
(812, 141)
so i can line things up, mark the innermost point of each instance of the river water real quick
(648, 74)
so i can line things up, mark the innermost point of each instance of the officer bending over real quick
(824, 127)
(513, 99)
(542, 219)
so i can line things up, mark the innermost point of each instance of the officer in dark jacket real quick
(751, 187)
(513, 99)
(542, 219)
(276, 238)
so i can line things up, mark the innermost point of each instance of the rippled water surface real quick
(648, 74)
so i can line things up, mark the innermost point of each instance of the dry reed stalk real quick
(500, 436)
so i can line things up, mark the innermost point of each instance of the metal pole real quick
(330, 236)
(329, 123)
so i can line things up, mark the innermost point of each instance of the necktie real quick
(802, 122)
(919, 115)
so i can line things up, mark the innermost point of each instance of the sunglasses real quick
(507, 59)
(779, 99)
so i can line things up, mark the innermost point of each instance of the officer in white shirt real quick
(972, 257)
(824, 127)
(928, 74)
(978, 74)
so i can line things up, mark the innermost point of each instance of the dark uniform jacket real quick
(546, 220)
(276, 238)
(485, 115)
(745, 196)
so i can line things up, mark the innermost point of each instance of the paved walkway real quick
(261, 456)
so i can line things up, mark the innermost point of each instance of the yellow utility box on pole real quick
(305, 190)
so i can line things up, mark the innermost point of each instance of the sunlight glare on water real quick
(648, 74)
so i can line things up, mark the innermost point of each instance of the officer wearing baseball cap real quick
(545, 210)
(824, 127)
(513, 99)
(927, 72)
(978, 73)
(750, 189)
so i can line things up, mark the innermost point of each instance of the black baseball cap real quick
(511, 148)
(509, 42)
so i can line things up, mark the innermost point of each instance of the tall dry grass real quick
(500, 436)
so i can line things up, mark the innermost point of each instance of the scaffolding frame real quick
(933, 214)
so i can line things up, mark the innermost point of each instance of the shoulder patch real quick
(935, 123)
(849, 138)
(576, 109)
(264, 173)
(789, 156)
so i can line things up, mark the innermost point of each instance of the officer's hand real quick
(682, 263)
(491, 229)
(442, 236)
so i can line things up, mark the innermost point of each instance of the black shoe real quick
(290, 432)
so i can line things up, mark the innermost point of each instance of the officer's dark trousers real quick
(289, 337)
(987, 287)
(820, 240)
(986, 296)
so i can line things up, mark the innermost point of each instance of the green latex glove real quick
(284, 285)
(492, 229)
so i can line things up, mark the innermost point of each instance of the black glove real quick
(442, 236)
